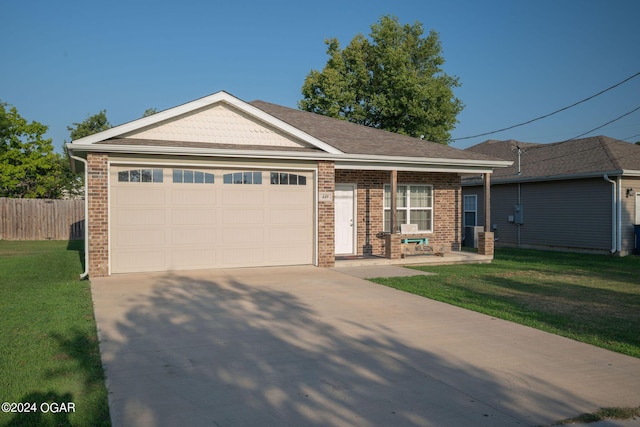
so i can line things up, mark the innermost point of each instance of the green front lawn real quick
(49, 355)
(589, 298)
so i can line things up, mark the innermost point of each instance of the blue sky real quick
(63, 61)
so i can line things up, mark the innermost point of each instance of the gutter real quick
(614, 218)
(345, 159)
(85, 274)
(619, 209)
(507, 180)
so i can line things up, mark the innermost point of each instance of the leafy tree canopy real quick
(73, 184)
(28, 165)
(92, 124)
(393, 80)
(149, 112)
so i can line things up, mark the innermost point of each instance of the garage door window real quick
(284, 178)
(242, 178)
(140, 175)
(187, 176)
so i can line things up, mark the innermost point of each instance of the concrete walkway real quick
(306, 346)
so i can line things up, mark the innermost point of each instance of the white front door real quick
(344, 218)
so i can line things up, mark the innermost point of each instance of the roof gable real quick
(219, 119)
(220, 123)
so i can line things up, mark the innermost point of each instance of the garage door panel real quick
(240, 196)
(182, 195)
(289, 234)
(289, 196)
(243, 236)
(140, 260)
(192, 217)
(193, 258)
(140, 216)
(138, 237)
(246, 216)
(193, 236)
(249, 256)
(290, 254)
(134, 197)
(291, 217)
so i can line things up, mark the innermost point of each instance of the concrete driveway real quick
(306, 346)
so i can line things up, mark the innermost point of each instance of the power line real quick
(608, 123)
(552, 113)
(632, 136)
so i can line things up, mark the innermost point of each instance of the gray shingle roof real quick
(587, 156)
(352, 138)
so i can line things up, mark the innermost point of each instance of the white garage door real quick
(183, 218)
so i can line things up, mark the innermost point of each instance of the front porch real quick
(448, 258)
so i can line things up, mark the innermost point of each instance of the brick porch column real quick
(485, 243)
(98, 221)
(393, 246)
(326, 214)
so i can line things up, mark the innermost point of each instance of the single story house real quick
(220, 182)
(576, 195)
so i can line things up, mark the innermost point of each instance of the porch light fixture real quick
(629, 192)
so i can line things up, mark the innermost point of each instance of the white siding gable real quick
(220, 124)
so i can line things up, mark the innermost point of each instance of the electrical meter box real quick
(518, 216)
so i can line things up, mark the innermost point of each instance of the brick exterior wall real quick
(447, 208)
(98, 221)
(326, 216)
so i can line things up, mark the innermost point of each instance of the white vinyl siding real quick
(414, 205)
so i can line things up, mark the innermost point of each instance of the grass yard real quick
(49, 355)
(589, 298)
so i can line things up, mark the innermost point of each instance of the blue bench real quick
(423, 241)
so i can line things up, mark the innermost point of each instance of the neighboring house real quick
(219, 182)
(581, 195)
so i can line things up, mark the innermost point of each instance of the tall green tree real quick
(392, 80)
(29, 168)
(149, 112)
(73, 183)
(92, 124)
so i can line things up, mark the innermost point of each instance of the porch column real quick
(487, 202)
(98, 222)
(393, 202)
(326, 214)
(392, 246)
(486, 237)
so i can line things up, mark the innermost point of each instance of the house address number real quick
(325, 196)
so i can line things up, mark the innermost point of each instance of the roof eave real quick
(516, 180)
(343, 161)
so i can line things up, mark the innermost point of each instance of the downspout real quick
(619, 210)
(613, 214)
(86, 218)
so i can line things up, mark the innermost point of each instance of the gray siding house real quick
(577, 195)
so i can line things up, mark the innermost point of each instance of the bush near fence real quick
(41, 219)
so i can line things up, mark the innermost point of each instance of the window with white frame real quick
(414, 205)
(470, 210)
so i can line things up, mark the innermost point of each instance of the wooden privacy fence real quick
(41, 219)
